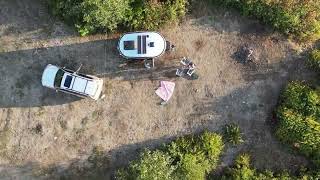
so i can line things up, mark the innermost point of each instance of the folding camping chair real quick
(185, 61)
(190, 72)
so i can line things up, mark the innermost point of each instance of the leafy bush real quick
(242, 170)
(300, 18)
(301, 99)
(151, 165)
(299, 115)
(314, 60)
(232, 134)
(91, 16)
(190, 157)
(196, 155)
(150, 15)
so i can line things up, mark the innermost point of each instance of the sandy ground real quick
(45, 135)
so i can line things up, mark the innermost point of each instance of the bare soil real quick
(49, 135)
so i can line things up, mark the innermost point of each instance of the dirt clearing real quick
(47, 135)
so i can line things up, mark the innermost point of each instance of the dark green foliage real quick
(90, 16)
(314, 60)
(196, 155)
(242, 170)
(191, 157)
(150, 15)
(299, 18)
(151, 165)
(299, 116)
(232, 134)
(301, 99)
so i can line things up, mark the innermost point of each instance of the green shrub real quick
(207, 144)
(242, 170)
(299, 18)
(299, 115)
(314, 60)
(150, 15)
(190, 157)
(151, 165)
(192, 167)
(301, 99)
(232, 134)
(91, 16)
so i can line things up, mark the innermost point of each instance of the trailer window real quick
(129, 45)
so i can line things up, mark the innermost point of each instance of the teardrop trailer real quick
(143, 46)
(147, 46)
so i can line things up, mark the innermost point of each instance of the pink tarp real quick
(165, 90)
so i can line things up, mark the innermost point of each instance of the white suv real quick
(72, 82)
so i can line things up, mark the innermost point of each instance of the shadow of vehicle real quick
(22, 69)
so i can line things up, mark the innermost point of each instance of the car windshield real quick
(58, 78)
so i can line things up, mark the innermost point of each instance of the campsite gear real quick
(169, 46)
(142, 45)
(165, 90)
(188, 69)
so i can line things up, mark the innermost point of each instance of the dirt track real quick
(44, 133)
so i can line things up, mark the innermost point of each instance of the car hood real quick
(49, 75)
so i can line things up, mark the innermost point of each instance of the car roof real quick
(79, 84)
(49, 75)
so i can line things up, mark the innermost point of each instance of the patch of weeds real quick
(98, 164)
(69, 63)
(71, 107)
(48, 29)
(5, 133)
(4, 138)
(84, 121)
(314, 60)
(232, 134)
(99, 161)
(211, 18)
(22, 83)
(20, 93)
(88, 69)
(2, 49)
(43, 171)
(40, 112)
(97, 114)
(38, 129)
(78, 133)
(199, 44)
(107, 88)
(63, 124)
